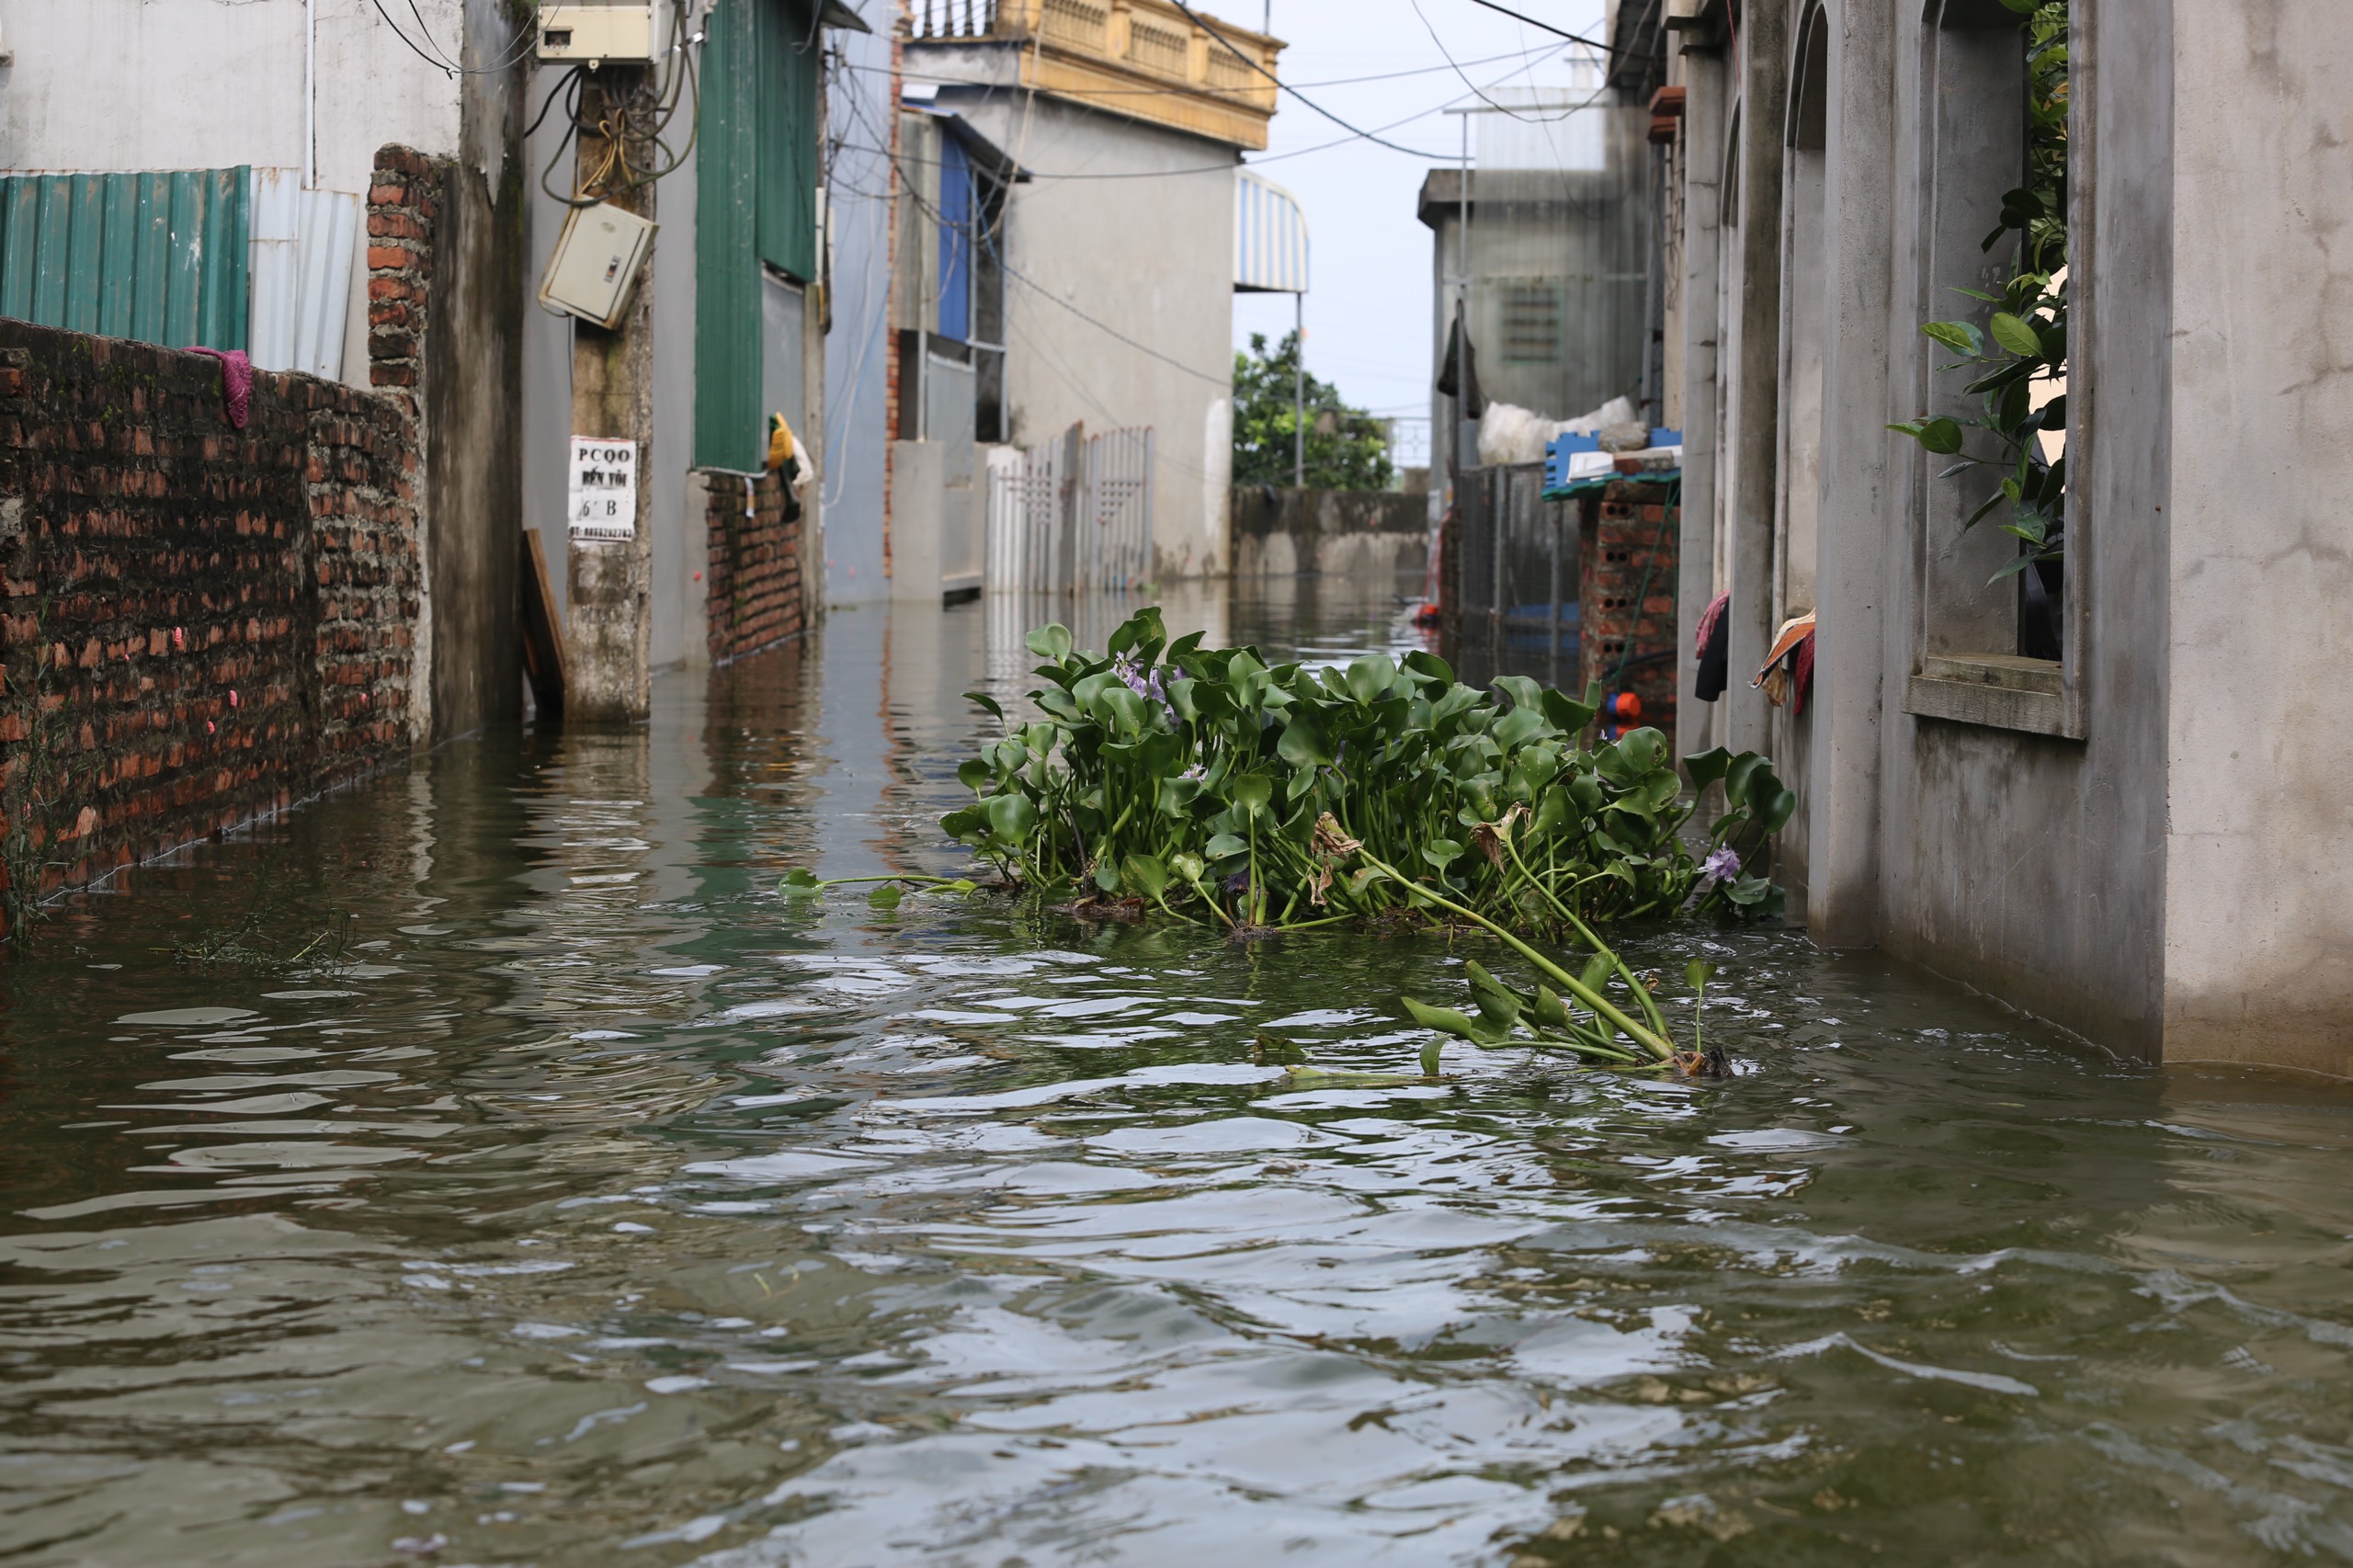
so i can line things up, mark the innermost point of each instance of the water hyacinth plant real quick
(1217, 788)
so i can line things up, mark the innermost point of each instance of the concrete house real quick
(243, 146)
(1543, 238)
(2121, 809)
(1064, 244)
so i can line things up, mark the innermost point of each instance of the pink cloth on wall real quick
(1707, 619)
(236, 384)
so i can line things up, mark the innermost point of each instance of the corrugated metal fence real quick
(160, 257)
(1072, 513)
(210, 258)
(304, 245)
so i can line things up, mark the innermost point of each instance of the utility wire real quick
(1556, 32)
(1481, 93)
(515, 51)
(1251, 60)
(1193, 92)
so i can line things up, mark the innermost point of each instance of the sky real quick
(1368, 296)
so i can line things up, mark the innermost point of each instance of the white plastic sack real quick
(1510, 434)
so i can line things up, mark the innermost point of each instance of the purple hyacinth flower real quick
(1721, 867)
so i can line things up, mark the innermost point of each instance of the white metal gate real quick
(1072, 513)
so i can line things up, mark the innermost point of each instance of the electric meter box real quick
(596, 262)
(604, 32)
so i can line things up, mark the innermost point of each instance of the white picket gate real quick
(1070, 512)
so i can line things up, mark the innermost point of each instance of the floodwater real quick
(579, 1201)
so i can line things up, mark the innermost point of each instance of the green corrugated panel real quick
(152, 256)
(121, 239)
(787, 139)
(727, 268)
(756, 200)
(21, 203)
(161, 257)
(52, 249)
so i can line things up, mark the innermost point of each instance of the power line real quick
(1192, 92)
(1480, 93)
(1547, 27)
(1206, 26)
(514, 50)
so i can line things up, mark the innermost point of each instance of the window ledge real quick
(2001, 691)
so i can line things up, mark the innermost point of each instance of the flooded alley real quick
(486, 1164)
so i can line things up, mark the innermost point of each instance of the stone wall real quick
(203, 623)
(754, 578)
(1278, 533)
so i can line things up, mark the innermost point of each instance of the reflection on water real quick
(592, 1204)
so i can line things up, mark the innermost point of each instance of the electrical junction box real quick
(595, 261)
(604, 32)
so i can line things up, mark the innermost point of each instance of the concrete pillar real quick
(607, 624)
(1858, 555)
(1755, 381)
(1698, 724)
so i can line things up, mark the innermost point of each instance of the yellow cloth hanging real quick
(783, 448)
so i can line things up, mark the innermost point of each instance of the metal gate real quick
(1072, 513)
(1520, 576)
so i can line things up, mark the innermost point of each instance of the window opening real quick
(1998, 383)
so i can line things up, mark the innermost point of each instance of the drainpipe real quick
(310, 94)
(1298, 394)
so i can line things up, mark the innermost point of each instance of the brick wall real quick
(403, 204)
(753, 571)
(1627, 562)
(201, 624)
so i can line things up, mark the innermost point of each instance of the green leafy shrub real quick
(1216, 787)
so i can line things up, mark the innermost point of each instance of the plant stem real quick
(1593, 1001)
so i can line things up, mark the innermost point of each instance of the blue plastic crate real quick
(1556, 457)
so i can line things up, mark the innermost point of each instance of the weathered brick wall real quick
(1626, 581)
(403, 205)
(754, 567)
(201, 624)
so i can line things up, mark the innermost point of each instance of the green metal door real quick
(755, 202)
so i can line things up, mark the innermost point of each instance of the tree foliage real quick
(1347, 447)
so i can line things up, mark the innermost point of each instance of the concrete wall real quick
(546, 355)
(2138, 843)
(472, 373)
(858, 349)
(1374, 534)
(210, 84)
(1118, 295)
(2257, 726)
(1585, 232)
(675, 515)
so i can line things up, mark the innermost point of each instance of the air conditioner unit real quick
(603, 32)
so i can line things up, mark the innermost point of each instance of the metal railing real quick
(1520, 572)
(954, 18)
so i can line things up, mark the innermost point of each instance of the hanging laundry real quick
(236, 383)
(784, 458)
(1713, 649)
(1788, 670)
(1459, 377)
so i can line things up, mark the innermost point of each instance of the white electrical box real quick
(603, 32)
(595, 261)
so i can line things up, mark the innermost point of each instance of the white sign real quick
(603, 498)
